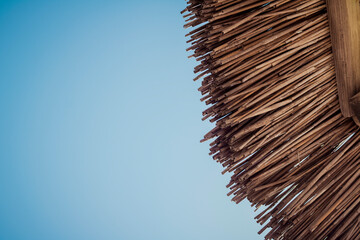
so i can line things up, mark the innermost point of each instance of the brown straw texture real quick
(268, 77)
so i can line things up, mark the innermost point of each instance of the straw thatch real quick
(268, 77)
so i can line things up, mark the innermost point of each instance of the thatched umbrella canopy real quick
(281, 88)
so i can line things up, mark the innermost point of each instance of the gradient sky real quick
(100, 127)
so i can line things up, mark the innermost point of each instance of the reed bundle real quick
(268, 76)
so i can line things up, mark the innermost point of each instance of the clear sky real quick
(100, 127)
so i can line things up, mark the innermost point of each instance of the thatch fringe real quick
(268, 76)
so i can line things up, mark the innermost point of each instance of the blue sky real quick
(100, 127)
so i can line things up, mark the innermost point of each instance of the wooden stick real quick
(344, 21)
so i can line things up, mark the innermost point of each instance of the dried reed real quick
(268, 75)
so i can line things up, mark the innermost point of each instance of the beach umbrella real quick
(281, 80)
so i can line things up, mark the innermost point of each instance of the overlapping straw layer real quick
(269, 80)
